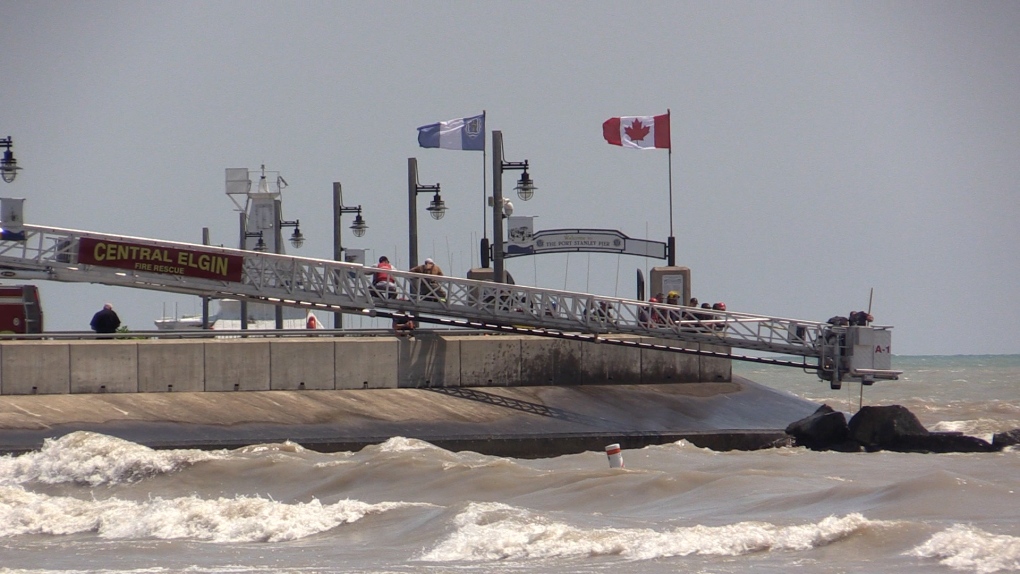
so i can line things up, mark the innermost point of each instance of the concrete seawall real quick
(328, 363)
(536, 421)
(500, 395)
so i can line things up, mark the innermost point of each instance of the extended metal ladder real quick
(834, 352)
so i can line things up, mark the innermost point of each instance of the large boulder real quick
(890, 427)
(825, 429)
(878, 428)
(941, 442)
(1004, 439)
(895, 428)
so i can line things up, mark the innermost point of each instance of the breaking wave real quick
(93, 459)
(493, 531)
(968, 548)
(239, 519)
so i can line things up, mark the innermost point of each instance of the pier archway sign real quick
(523, 240)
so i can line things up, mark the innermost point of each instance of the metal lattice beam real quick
(53, 253)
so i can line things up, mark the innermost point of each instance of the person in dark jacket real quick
(106, 320)
(860, 318)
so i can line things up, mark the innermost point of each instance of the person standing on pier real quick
(105, 320)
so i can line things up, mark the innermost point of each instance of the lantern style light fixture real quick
(260, 245)
(297, 239)
(525, 187)
(8, 166)
(359, 226)
(437, 207)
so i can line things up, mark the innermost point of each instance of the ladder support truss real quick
(83, 256)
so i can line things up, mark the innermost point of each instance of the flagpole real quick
(671, 245)
(485, 188)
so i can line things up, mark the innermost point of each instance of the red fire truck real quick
(20, 311)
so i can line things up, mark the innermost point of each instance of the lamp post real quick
(260, 246)
(8, 166)
(436, 208)
(297, 239)
(525, 190)
(359, 226)
(205, 299)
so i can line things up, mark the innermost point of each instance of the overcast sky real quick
(820, 149)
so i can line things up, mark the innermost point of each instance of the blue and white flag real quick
(461, 133)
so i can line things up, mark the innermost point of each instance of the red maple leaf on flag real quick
(637, 131)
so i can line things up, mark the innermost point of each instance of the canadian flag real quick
(640, 132)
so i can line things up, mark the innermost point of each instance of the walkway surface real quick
(522, 422)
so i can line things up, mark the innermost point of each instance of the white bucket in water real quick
(615, 456)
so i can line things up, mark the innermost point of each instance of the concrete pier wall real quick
(428, 360)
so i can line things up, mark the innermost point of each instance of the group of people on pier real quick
(655, 315)
(666, 309)
(384, 285)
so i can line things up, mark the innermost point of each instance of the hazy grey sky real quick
(820, 149)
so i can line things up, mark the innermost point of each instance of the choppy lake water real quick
(92, 503)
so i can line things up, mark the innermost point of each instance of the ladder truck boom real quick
(839, 352)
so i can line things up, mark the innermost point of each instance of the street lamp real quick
(358, 227)
(8, 166)
(525, 190)
(297, 239)
(525, 187)
(436, 208)
(260, 246)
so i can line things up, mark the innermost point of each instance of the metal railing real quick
(52, 254)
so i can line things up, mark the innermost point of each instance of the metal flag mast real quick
(485, 187)
(671, 242)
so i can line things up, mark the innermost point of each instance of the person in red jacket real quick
(384, 283)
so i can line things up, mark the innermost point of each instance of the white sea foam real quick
(218, 569)
(445, 459)
(285, 446)
(403, 444)
(492, 531)
(96, 459)
(964, 547)
(153, 570)
(953, 426)
(978, 428)
(240, 519)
